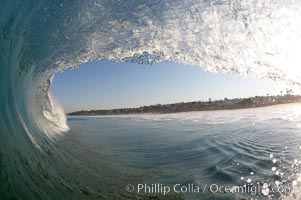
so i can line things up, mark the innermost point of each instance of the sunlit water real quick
(257, 147)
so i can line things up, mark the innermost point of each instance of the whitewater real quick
(39, 38)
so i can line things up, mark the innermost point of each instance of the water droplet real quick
(265, 189)
(273, 169)
(249, 180)
(274, 160)
(252, 173)
(271, 155)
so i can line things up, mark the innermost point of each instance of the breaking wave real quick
(41, 38)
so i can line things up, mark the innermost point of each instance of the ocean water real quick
(39, 38)
(212, 149)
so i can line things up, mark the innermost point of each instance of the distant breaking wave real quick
(41, 38)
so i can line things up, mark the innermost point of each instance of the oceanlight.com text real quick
(251, 189)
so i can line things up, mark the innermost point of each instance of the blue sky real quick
(106, 85)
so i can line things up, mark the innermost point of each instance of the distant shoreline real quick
(226, 104)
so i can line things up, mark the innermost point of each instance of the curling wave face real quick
(41, 38)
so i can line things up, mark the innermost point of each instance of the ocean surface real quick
(259, 148)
